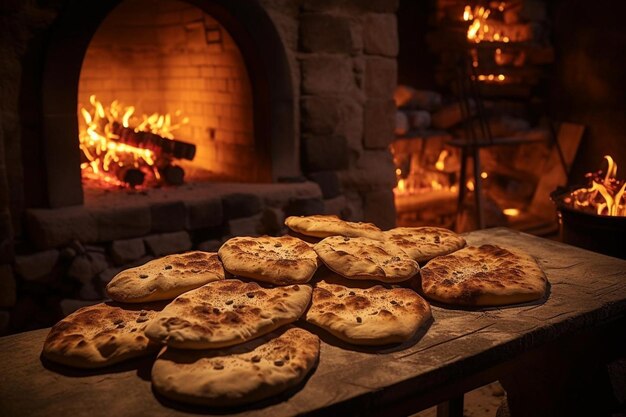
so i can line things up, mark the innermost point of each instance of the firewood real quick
(154, 142)
(131, 176)
(172, 174)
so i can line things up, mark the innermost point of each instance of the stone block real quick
(212, 245)
(168, 217)
(85, 267)
(246, 226)
(277, 195)
(328, 182)
(327, 75)
(374, 169)
(88, 291)
(239, 205)
(337, 206)
(379, 208)
(379, 123)
(352, 6)
(380, 36)
(325, 153)
(329, 115)
(7, 287)
(325, 33)
(36, 266)
(168, 243)
(51, 228)
(204, 213)
(380, 77)
(272, 221)
(125, 251)
(107, 275)
(122, 222)
(304, 207)
(69, 305)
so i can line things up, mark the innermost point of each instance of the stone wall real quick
(342, 59)
(345, 54)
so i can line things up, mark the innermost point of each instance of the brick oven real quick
(289, 108)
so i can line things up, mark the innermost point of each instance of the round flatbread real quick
(484, 276)
(101, 335)
(370, 316)
(238, 375)
(226, 313)
(165, 278)
(325, 226)
(425, 243)
(363, 258)
(277, 260)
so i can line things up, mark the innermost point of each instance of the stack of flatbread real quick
(230, 341)
(219, 324)
(360, 314)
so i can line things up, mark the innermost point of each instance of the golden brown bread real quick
(483, 276)
(165, 278)
(226, 313)
(237, 375)
(277, 260)
(325, 226)
(424, 243)
(363, 258)
(370, 316)
(101, 335)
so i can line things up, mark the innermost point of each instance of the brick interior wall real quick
(162, 56)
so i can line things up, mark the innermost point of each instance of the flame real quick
(605, 195)
(103, 154)
(479, 30)
(511, 212)
(440, 164)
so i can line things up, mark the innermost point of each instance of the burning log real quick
(172, 174)
(157, 144)
(131, 176)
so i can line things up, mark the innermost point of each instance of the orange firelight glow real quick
(104, 155)
(604, 196)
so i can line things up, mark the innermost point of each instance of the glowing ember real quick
(107, 159)
(605, 194)
(511, 212)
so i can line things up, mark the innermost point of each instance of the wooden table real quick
(532, 345)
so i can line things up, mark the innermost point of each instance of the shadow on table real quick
(142, 365)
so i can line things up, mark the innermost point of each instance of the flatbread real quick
(363, 258)
(101, 335)
(484, 276)
(238, 375)
(165, 278)
(325, 226)
(371, 316)
(277, 260)
(226, 313)
(424, 243)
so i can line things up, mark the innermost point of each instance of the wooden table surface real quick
(587, 289)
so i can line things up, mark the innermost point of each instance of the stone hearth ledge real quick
(111, 215)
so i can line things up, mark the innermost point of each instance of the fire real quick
(440, 164)
(104, 155)
(511, 212)
(605, 195)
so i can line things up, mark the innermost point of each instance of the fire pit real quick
(594, 217)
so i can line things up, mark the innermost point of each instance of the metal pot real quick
(604, 234)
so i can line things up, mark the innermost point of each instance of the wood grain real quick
(587, 289)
